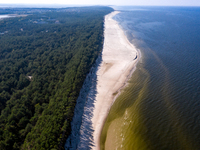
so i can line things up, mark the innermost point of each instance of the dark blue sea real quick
(169, 40)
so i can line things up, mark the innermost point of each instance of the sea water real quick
(160, 107)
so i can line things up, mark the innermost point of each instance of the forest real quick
(45, 55)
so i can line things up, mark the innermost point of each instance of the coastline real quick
(10, 16)
(119, 59)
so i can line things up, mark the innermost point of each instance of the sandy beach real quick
(119, 59)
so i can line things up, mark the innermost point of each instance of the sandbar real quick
(119, 59)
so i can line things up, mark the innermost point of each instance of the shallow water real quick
(160, 108)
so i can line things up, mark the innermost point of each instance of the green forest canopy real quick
(44, 59)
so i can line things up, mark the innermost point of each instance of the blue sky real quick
(109, 2)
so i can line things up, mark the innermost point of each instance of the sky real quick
(108, 2)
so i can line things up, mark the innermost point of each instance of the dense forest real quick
(45, 55)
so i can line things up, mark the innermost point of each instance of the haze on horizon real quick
(108, 2)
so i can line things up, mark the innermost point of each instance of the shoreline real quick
(4, 16)
(119, 59)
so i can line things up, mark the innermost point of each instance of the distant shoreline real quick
(5, 16)
(10, 15)
(119, 59)
(18, 5)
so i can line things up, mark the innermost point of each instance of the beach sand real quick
(119, 59)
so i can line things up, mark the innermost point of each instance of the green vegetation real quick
(44, 59)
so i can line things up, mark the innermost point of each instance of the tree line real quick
(44, 59)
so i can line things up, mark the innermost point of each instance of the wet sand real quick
(119, 59)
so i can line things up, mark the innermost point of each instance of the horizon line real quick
(41, 4)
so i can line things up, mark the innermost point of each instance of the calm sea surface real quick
(160, 108)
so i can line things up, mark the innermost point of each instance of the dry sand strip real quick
(119, 58)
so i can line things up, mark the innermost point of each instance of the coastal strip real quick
(119, 59)
(11, 15)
